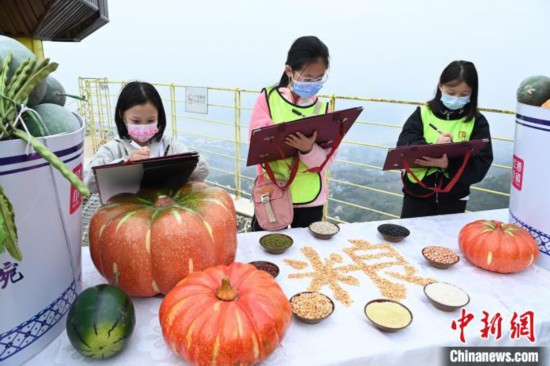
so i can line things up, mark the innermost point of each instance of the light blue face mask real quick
(454, 103)
(306, 89)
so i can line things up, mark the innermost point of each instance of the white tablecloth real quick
(347, 338)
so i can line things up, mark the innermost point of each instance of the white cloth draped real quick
(347, 338)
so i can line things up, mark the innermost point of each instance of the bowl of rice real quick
(323, 230)
(445, 296)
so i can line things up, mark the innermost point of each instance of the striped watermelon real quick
(54, 92)
(55, 120)
(100, 321)
(534, 90)
(19, 53)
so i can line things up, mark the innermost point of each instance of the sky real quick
(392, 49)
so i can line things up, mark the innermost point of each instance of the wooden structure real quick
(52, 20)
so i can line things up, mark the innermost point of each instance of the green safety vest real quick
(306, 186)
(460, 129)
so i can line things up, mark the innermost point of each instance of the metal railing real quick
(359, 190)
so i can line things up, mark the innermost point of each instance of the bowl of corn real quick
(311, 307)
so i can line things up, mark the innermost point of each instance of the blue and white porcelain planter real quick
(530, 193)
(36, 292)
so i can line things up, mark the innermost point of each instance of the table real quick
(347, 338)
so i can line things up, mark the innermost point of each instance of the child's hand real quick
(139, 154)
(444, 138)
(442, 162)
(301, 142)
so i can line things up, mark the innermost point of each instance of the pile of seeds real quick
(324, 228)
(324, 272)
(388, 314)
(268, 267)
(311, 305)
(295, 264)
(276, 241)
(447, 294)
(389, 257)
(377, 261)
(393, 230)
(440, 254)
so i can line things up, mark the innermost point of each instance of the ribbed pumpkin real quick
(147, 242)
(497, 247)
(225, 315)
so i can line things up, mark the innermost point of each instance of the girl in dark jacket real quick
(451, 116)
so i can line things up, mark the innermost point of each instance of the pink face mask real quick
(142, 133)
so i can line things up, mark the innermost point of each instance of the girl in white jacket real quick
(140, 121)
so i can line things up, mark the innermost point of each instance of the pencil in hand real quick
(438, 130)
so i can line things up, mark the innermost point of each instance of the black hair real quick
(304, 51)
(459, 71)
(137, 93)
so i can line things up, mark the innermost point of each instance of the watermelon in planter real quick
(534, 90)
(37, 94)
(100, 321)
(55, 120)
(54, 92)
(18, 50)
(19, 54)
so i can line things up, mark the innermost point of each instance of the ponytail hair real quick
(304, 51)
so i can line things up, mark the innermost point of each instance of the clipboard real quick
(170, 172)
(394, 159)
(268, 143)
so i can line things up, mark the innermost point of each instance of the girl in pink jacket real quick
(295, 97)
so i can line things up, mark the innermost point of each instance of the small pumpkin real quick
(498, 247)
(147, 242)
(225, 315)
(546, 104)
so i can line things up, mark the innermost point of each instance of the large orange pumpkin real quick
(147, 242)
(225, 315)
(497, 247)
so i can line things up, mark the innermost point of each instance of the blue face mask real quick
(454, 103)
(306, 89)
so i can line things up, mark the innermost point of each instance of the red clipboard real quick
(170, 172)
(394, 159)
(268, 143)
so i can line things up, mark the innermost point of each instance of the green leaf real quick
(2, 235)
(8, 227)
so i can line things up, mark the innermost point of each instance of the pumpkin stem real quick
(163, 201)
(226, 292)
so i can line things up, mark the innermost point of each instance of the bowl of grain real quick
(323, 230)
(276, 243)
(266, 266)
(311, 307)
(445, 296)
(440, 257)
(388, 315)
(393, 233)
